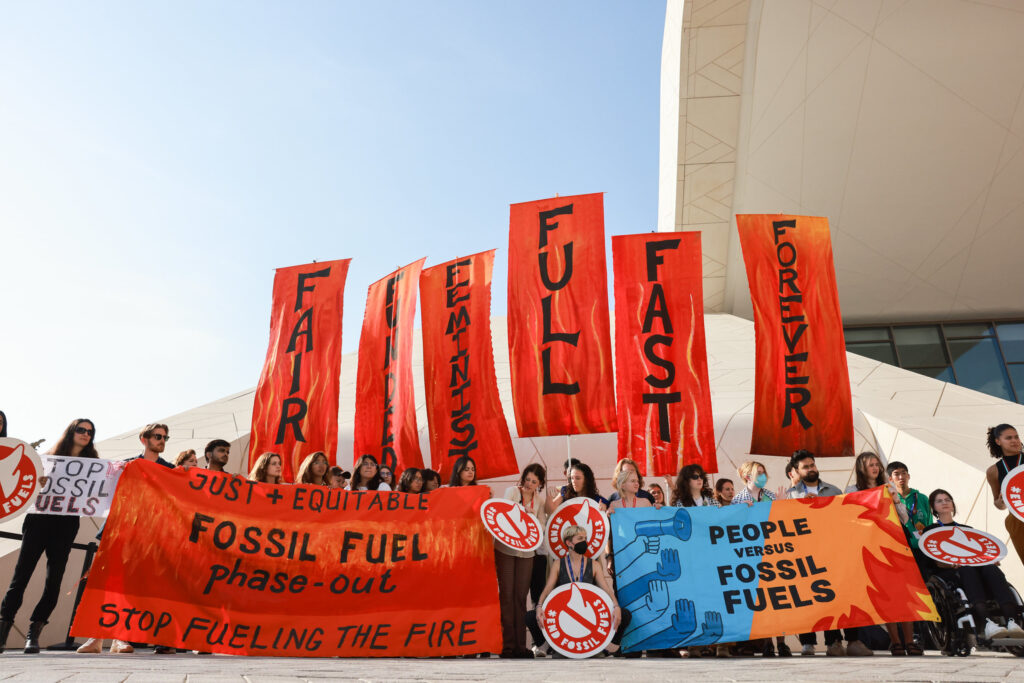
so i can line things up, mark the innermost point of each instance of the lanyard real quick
(1007, 467)
(806, 492)
(910, 508)
(568, 566)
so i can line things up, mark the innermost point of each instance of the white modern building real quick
(902, 121)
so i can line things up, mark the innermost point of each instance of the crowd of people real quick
(525, 578)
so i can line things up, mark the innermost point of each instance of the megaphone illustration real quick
(679, 526)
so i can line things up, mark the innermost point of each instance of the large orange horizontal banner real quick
(236, 567)
(802, 397)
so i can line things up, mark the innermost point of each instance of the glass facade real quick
(986, 356)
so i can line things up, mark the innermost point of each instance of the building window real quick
(986, 356)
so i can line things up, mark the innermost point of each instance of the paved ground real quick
(145, 667)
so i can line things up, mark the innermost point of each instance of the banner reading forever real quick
(802, 397)
(385, 419)
(295, 411)
(703, 575)
(558, 332)
(236, 567)
(661, 363)
(463, 406)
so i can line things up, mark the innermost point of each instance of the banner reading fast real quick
(558, 331)
(661, 364)
(703, 575)
(295, 411)
(236, 567)
(802, 397)
(463, 406)
(385, 419)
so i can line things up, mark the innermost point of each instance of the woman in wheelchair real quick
(979, 584)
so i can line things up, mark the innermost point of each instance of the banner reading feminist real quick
(802, 398)
(385, 419)
(463, 406)
(295, 411)
(703, 575)
(558, 331)
(661, 364)
(235, 567)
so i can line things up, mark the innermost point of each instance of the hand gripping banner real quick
(703, 575)
(661, 363)
(295, 411)
(802, 397)
(463, 406)
(558, 331)
(385, 419)
(235, 567)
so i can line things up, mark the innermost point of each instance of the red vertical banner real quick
(385, 420)
(661, 363)
(558, 330)
(463, 406)
(802, 398)
(295, 411)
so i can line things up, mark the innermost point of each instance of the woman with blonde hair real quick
(186, 459)
(627, 488)
(629, 464)
(754, 477)
(267, 469)
(313, 470)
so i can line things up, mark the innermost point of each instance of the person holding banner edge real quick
(1004, 444)
(49, 534)
(313, 470)
(216, 455)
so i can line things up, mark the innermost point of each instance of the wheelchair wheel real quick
(951, 642)
(1016, 650)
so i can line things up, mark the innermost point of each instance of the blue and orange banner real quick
(236, 567)
(703, 575)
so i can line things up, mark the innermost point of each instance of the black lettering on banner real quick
(457, 295)
(388, 456)
(797, 396)
(550, 337)
(656, 309)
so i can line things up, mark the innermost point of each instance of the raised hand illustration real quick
(668, 569)
(683, 624)
(637, 548)
(711, 630)
(654, 604)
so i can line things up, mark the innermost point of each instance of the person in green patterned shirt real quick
(915, 513)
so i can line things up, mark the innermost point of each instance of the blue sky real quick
(159, 160)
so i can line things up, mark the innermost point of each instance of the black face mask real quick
(580, 548)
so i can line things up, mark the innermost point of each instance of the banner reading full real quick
(661, 364)
(558, 331)
(235, 567)
(463, 406)
(295, 411)
(704, 575)
(802, 397)
(385, 419)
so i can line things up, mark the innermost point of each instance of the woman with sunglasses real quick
(387, 476)
(691, 488)
(50, 534)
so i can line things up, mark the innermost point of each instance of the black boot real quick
(32, 642)
(5, 630)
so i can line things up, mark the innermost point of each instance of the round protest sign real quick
(577, 620)
(20, 470)
(511, 524)
(962, 546)
(1012, 492)
(578, 512)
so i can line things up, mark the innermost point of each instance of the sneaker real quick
(807, 650)
(1013, 630)
(540, 651)
(93, 646)
(994, 630)
(836, 649)
(119, 647)
(855, 648)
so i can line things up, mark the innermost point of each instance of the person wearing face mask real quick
(576, 566)
(754, 478)
(515, 567)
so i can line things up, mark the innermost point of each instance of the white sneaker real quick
(1013, 630)
(993, 630)
(540, 651)
(807, 650)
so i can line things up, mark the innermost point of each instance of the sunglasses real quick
(160, 437)
(84, 430)
(696, 475)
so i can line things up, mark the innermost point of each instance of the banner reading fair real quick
(697, 576)
(235, 567)
(661, 363)
(558, 332)
(463, 406)
(802, 382)
(295, 411)
(385, 419)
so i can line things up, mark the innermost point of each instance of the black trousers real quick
(831, 636)
(981, 584)
(50, 534)
(539, 578)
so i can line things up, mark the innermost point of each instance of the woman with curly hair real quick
(267, 469)
(692, 489)
(1004, 444)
